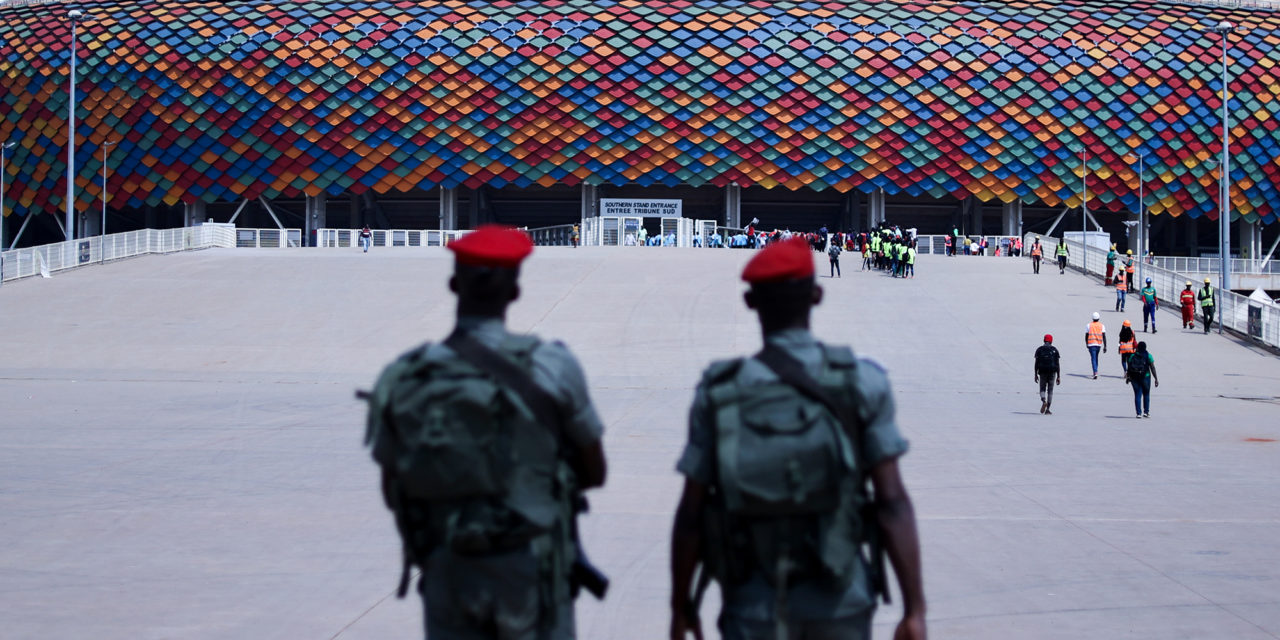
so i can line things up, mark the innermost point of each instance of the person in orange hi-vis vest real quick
(1188, 300)
(1128, 343)
(1129, 268)
(1037, 252)
(1122, 286)
(1095, 338)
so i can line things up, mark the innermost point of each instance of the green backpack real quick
(790, 493)
(472, 469)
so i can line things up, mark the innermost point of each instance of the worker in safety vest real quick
(1128, 344)
(1111, 264)
(1062, 256)
(1037, 252)
(1150, 302)
(1095, 338)
(1188, 300)
(1208, 300)
(1129, 267)
(1122, 286)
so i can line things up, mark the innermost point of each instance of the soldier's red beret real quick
(788, 260)
(492, 245)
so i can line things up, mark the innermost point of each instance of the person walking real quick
(1048, 372)
(1111, 265)
(366, 237)
(486, 442)
(1062, 256)
(911, 261)
(1208, 300)
(574, 236)
(833, 252)
(1130, 271)
(1121, 289)
(1095, 338)
(1037, 252)
(774, 518)
(1127, 344)
(1150, 302)
(1188, 301)
(1140, 373)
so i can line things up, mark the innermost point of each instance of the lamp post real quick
(74, 16)
(1142, 211)
(1084, 207)
(1224, 178)
(4, 151)
(105, 146)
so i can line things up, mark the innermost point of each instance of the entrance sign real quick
(624, 208)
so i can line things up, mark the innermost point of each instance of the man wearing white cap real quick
(1095, 338)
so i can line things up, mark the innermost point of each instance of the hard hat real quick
(1148, 280)
(1188, 283)
(1037, 237)
(1129, 252)
(1127, 323)
(1095, 315)
(1207, 281)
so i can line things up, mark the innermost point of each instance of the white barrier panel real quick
(1233, 310)
(350, 238)
(50, 258)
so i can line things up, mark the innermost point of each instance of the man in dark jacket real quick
(1048, 373)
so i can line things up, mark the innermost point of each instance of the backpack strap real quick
(510, 375)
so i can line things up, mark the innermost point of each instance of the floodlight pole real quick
(1084, 207)
(74, 16)
(1224, 180)
(4, 151)
(105, 145)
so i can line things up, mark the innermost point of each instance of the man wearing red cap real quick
(1047, 370)
(782, 447)
(486, 441)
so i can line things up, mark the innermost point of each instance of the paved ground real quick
(180, 451)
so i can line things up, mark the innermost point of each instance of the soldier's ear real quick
(515, 292)
(453, 283)
(817, 294)
(749, 299)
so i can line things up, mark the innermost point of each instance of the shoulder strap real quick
(510, 375)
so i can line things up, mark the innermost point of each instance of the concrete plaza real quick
(180, 450)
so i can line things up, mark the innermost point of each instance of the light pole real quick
(4, 151)
(1142, 211)
(105, 145)
(1224, 178)
(74, 16)
(1084, 207)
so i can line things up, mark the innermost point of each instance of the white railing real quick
(1212, 264)
(268, 238)
(46, 259)
(350, 238)
(1257, 320)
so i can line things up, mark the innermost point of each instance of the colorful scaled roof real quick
(224, 100)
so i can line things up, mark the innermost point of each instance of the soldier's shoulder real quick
(720, 370)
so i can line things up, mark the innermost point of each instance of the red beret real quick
(788, 260)
(492, 245)
(1048, 338)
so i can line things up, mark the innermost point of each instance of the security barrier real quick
(1233, 310)
(49, 258)
(350, 238)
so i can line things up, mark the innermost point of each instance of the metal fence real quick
(1240, 314)
(49, 258)
(350, 238)
(1211, 264)
(560, 235)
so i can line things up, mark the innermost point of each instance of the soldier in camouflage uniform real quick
(791, 478)
(483, 465)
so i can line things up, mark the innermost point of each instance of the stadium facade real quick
(449, 113)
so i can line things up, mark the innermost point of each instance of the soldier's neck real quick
(769, 328)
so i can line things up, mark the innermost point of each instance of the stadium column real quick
(192, 213)
(1250, 239)
(317, 211)
(975, 216)
(1011, 218)
(590, 201)
(448, 209)
(875, 208)
(733, 206)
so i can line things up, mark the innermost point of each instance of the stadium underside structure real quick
(518, 111)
